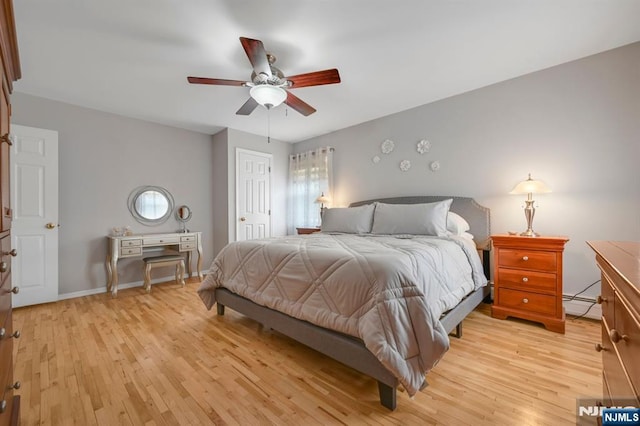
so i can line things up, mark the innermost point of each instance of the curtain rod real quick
(313, 152)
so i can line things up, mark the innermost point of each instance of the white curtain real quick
(310, 176)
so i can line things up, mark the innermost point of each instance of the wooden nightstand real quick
(528, 279)
(304, 231)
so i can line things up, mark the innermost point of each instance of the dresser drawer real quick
(608, 299)
(161, 240)
(613, 370)
(527, 280)
(627, 330)
(130, 243)
(528, 259)
(131, 251)
(526, 301)
(187, 246)
(188, 238)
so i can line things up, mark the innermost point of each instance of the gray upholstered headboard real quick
(478, 216)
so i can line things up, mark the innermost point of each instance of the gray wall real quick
(103, 157)
(575, 126)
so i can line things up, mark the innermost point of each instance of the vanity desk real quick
(134, 246)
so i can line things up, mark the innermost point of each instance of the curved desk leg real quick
(199, 263)
(112, 267)
(109, 273)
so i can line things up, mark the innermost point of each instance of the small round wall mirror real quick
(183, 215)
(150, 205)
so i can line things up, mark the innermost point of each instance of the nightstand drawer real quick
(626, 331)
(527, 280)
(525, 301)
(528, 259)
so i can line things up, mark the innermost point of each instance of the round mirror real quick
(151, 205)
(183, 213)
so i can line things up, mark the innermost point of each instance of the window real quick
(310, 175)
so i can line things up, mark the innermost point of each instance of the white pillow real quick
(352, 220)
(456, 224)
(416, 219)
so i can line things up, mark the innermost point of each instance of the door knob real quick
(50, 225)
(242, 219)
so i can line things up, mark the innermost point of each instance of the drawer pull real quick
(4, 266)
(15, 386)
(13, 253)
(3, 333)
(3, 406)
(616, 336)
(14, 290)
(525, 258)
(525, 300)
(600, 348)
(525, 279)
(600, 300)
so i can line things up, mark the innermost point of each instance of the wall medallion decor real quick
(434, 166)
(423, 146)
(375, 159)
(387, 146)
(405, 165)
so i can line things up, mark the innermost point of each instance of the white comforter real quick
(389, 291)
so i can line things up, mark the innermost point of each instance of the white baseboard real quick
(579, 307)
(125, 286)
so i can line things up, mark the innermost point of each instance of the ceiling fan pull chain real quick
(269, 126)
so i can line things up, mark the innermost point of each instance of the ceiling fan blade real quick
(248, 107)
(317, 78)
(215, 81)
(299, 105)
(257, 55)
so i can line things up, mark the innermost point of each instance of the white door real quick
(253, 190)
(34, 229)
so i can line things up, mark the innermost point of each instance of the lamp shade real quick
(267, 95)
(530, 186)
(323, 199)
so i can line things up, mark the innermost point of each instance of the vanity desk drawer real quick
(130, 243)
(156, 241)
(187, 246)
(130, 251)
(188, 238)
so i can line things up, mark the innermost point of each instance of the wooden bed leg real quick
(387, 396)
(220, 308)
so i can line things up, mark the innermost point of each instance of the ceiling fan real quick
(268, 84)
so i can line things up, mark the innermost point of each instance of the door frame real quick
(236, 189)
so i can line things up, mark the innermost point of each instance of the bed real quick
(392, 320)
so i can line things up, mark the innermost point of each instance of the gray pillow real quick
(352, 220)
(416, 219)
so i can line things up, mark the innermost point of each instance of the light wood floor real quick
(162, 358)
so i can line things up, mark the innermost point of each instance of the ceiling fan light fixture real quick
(267, 95)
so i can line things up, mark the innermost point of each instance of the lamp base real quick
(529, 233)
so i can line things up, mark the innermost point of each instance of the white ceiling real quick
(132, 57)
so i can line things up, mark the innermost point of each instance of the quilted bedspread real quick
(388, 291)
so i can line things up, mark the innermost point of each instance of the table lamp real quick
(530, 187)
(322, 199)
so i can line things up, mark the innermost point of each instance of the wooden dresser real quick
(619, 263)
(10, 403)
(528, 279)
